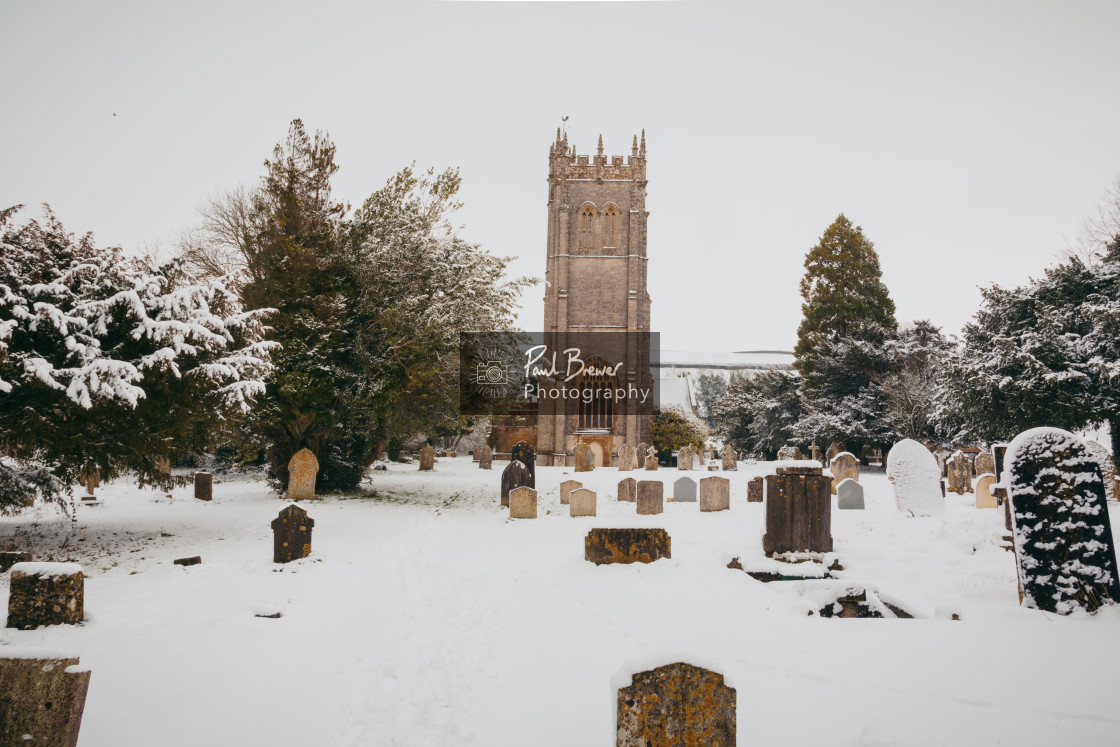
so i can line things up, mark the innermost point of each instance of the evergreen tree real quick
(758, 413)
(670, 429)
(709, 389)
(917, 358)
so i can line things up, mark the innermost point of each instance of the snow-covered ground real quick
(426, 617)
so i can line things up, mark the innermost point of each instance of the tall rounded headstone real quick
(524, 453)
(844, 466)
(916, 478)
(302, 469)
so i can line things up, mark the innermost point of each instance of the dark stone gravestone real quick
(515, 475)
(45, 594)
(798, 511)
(203, 486)
(677, 705)
(291, 535)
(523, 452)
(195, 560)
(754, 490)
(604, 546)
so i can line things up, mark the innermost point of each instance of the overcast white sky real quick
(968, 139)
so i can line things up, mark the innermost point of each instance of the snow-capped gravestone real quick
(999, 451)
(585, 457)
(916, 478)
(515, 475)
(729, 459)
(90, 479)
(42, 697)
(583, 502)
(605, 546)
(684, 490)
(628, 490)
(715, 494)
(1063, 539)
(291, 535)
(566, 489)
(684, 458)
(651, 459)
(523, 503)
(789, 453)
(843, 466)
(651, 497)
(984, 497)
(754, 490)
(45, 594)
(427, 458)
(203, 486)
(627, 458)
(302, 469)
(677, 705)
(523, 452)
(849, 494)
(1108, 467)
(958, 470)
(798, 509)
(985, 464)
(485, 458)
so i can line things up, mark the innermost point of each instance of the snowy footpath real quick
(424, 616)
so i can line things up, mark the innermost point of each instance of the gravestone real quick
(566, 489)
(843, 466)
(475, 454)
(627, 458)
(999, 451)
(942, 458)
(8, 559)
(628, 490)
(1103, 458)
(715, 494)
(684, 458)
(849, 494)
(958, 470)
(91, 479)
(651, 459)
(677, 705)
(713, 466)
(789, 452)
(203, 486)
(42, 697)
(754, 490)
(833, 449)
(583, 502)
(985, 464)
(643, 449)
(605, 546)
(523, 452)
(485, 458)
(916, 478)
(45, 594)
(164, 464)
(729, 459)
(1063, 538)
(984, 497)
(684, 490)
(291, 535)
(798, 509)
(701, 455)
(193, 560)
(515, 475)
(523, 503)
(651, 497)
(302, 469)
(816, 452)
(585, 457)
(427, 458)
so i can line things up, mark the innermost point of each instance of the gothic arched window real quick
(587, 226)
(596, 401)
(611, 226)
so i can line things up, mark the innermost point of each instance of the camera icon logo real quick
(492, 373)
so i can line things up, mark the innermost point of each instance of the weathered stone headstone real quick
(789, 452)
(999, 451)
(798, 509)
(729, 459)
(1063, 538)
(643, 449)
(603, 546)
(833, 449)
(701, 455)
(651, 459)
(678, 705)
(91, 479)
(8, 559)
(713, 466)
(984, 497)
(475, 454)
(849, 494)
(427, 458)
(684, 490)
(524, 453)
(843, 466)
(628, 490)
(523, 503)
(754, 490)
(583, 502)
(916, 478)
(715, 494)
(302, 469)
(627, 458)
(958, 470)
(42, 698)
(203, 486)
(651, 497)
(815, 451)
(291, 535)
(684, 458)
(585, 457)
(985, 464)
(515, 475)
(45, 594)
(566, 489)
(485, 458)
(1103, 458)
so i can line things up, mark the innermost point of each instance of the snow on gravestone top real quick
(29, 568)
(1064, 550)
(916, 478)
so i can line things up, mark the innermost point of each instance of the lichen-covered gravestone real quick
(585, 457)
(45, 594)
(291, 535)
(42, 697)
(1063, 538)
(427, 458)
(485, 458)
(1108, 467)
(651, 459)
(523, 503)
(677, 705)
(523, 452)
(651, 497)
(798, 509)
(8, 558)
(684, 458)
(566, 489)
(984, 497)
(203, 486)
(583, 502)
(913, 471)
(302, 469)
(628, 490)
(715, 494)
(684, 490)
(843, 466)
(754, 490)
(729, 459)
(645, 545)
(787, 453)
(643, 448)
(515, 475)
(958, 470)
(985, 464)
(627, 459)
(849, 494)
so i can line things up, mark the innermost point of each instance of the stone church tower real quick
(596, 282)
